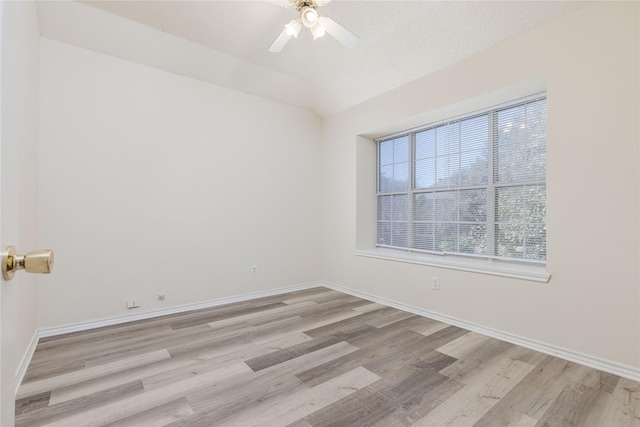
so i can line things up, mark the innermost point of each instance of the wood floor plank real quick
(128, 407)
(429, 327)
(244, 394)
(319, 374)
(288, 409)
(505, 418)
(214, 360)
(369, 307)
(213, 315)
(264, 316)
(78, 407)
(88, 374)
(467, 369)
(389, 318)
(398, 411)
(213, 409)
(624, 408)
(106, 382)
(416, 406)
(595, 379)
(157, 417)
(32, 403)
(417, 353)
(571, 407)
(347, 323)
(277, 357)
(317, 295)
(350, 410)
(301, 325)
(315, 357)
(365, 336)
(98, 354)
(466, 345)
(472, 402)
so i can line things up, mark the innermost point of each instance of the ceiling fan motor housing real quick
(308, 12)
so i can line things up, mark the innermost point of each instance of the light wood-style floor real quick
(311, 358)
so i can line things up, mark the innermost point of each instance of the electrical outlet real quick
(254, 270)
(134, 303)
(435, 283)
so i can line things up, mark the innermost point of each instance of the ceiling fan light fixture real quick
(309, 16)
(318, 31)
(293, 28)
(318, 26)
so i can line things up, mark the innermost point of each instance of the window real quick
(473, 186)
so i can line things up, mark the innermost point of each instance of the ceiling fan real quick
(317, 24)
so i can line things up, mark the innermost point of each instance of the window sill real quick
(533, 273)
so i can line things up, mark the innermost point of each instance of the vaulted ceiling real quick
(226, 42)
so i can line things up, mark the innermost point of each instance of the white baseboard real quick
(99, 323)
(611, 367)
(26, 359)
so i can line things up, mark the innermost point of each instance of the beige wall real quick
(154, 183)
(588, 63)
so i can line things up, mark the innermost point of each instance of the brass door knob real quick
(33, 262)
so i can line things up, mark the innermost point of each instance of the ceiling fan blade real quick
(279, 43)
(341, 34)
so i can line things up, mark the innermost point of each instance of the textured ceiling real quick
(225, 42)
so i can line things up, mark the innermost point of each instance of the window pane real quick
(453, 172)
(446, 235)
(399, 235)
(536, 242)
(425, 173)
(384, 208)
(400, 207)
(423, 236)
(473, 239)
(473, 205)
(509, 240)
(474, 168)
(521, 226)
(386, 178)
(401, 177)
(521, 204)
(454, 138)
(442, 140)
(426, 144)
(384, 233)
(442, 171)
(423, 207)
(446, 207)
(386, 153)
(401, 150)
(474, 133)
(521, 143)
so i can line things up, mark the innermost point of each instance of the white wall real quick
(589, 61)
(155, 183)
(19, 168)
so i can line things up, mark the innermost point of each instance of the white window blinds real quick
(473, 186)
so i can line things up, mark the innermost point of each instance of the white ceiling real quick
(225, 42)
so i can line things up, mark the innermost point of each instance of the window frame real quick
(490, 263)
